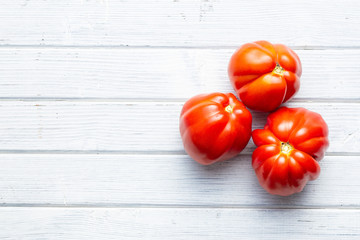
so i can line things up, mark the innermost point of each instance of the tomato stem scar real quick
(286, 148)
(229, 108)
(278, 70)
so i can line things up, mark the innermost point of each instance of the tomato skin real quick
(257, 80)
(289, 146)
(211, 131)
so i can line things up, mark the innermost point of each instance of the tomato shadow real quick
(222, 182)
(259, 119)
(221, 167)
(293, 201)
(234, 182)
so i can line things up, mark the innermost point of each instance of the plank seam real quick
(178, 206)
(215, 47)
(124, 152)
(157, 100)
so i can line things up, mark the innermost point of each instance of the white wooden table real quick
(90, 95)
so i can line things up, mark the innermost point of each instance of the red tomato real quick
(289, 146)
(264, 75)
(214, 127)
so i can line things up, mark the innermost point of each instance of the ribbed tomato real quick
(289, 146)
(214, 127)
(264, 75)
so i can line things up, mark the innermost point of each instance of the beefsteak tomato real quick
(264, 75)
(289, 146)
(214, 127)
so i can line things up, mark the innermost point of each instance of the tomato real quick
(214, 127)
(264, 75)
(289, 146)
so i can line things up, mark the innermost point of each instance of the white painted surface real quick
(178, 223)
(179, 23)
(90, 95)
(149, 73)
(136, 126)
(170, 180)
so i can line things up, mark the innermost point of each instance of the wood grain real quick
(136, 126)
(90, 97)
(158, 73)
(149, 223)
(179, 23)
(163, 180)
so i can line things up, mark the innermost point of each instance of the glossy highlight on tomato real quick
(288, 148)
(214, 127)
(265, 75)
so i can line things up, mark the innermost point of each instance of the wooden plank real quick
(148, 223)
(157, 73)
(179, 23)
(135, 126)
(165, 180)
